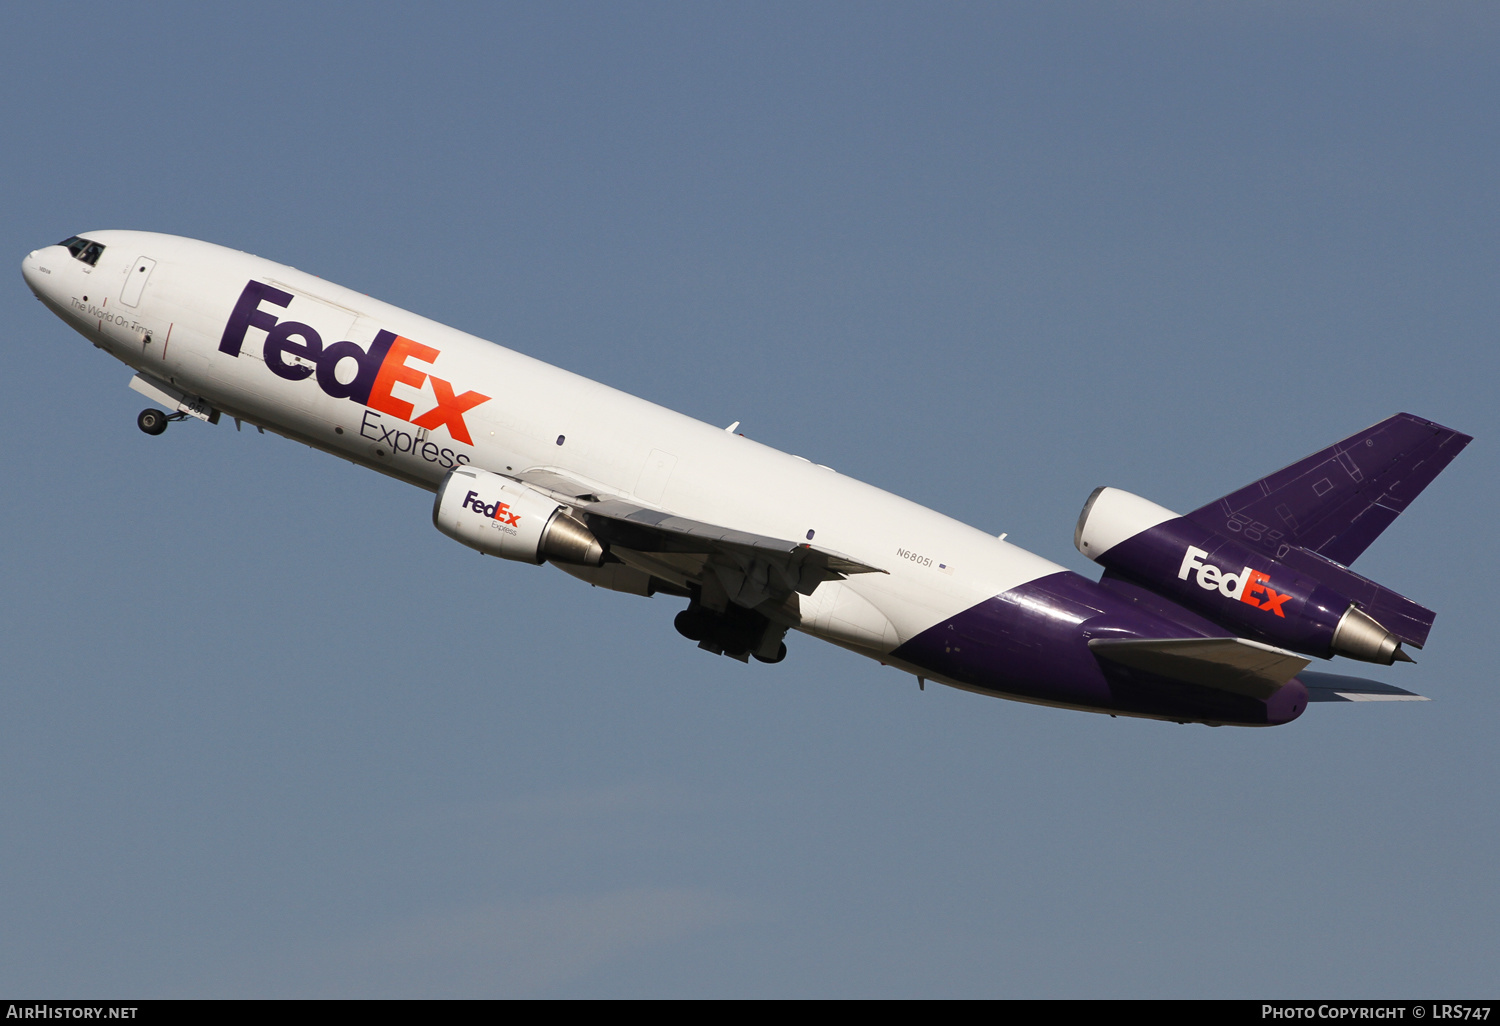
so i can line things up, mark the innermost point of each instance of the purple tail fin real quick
(1337, 501)
(1317, 515)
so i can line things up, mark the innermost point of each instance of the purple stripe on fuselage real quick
(1032, 642)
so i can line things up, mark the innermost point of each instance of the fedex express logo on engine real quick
(1243, 586)
(496, 510)
(386, 363)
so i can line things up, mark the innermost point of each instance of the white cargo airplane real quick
(1207, 617)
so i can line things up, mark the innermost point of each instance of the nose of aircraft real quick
(38, 271)
(41, 268)
(29, 270)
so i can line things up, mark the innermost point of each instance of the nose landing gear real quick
(154, 422)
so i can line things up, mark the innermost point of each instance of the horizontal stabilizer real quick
(1226, 664)
(1330, 687)
(1338, 500)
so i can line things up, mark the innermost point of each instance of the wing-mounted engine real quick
(502, 517)
(1235, 585)
(746, 589)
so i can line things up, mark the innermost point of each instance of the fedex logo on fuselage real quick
(496, 510)
(1243, 586)
(376, 370)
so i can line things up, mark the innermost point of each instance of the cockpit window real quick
(83, 249)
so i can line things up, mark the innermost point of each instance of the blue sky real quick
(267, 733)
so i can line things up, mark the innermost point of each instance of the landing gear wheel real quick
(690, 625)
(778, 657)
(153, 422)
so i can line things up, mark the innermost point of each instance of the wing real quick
(752, 569)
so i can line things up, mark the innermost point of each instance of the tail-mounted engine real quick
(1230, 583)
(505, 518)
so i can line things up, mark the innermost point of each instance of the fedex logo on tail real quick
(387, 362)
(1243, 586)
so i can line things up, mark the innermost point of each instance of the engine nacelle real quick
(1226, 581)
(505, 518)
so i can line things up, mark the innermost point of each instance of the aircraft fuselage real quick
(261, 342)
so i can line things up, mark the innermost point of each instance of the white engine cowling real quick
(505, 518)
(1111, 516)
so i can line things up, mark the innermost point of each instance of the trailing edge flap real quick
(621, 522)
(1225, 664)
(1330, 687)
